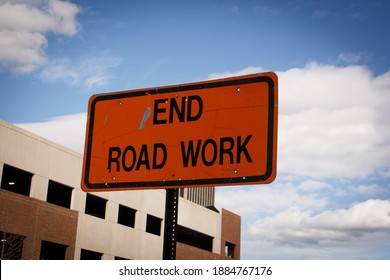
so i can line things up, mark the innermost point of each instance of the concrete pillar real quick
(140, 221)
(78, 200)
(39, 187)
(112, 209)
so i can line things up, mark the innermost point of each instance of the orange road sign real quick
(218, 132)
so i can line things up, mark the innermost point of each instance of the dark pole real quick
(170, 225)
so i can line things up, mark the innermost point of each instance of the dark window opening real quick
(95, 206)
(16, 180)
(181, 192)
(126, 216)
(90, 255)
(52, 251)
(11, 246)
(194, 238)
(121, 259)
(229, 250)
(153, 225)
(59, 194)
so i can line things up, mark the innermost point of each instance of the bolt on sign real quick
(218, 132)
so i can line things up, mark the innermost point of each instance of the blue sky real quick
(331, 199)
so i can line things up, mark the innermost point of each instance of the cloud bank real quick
(68, 131)
(331, 197)
(23, 31)
(91, 72)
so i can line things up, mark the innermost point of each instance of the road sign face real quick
(219, 132)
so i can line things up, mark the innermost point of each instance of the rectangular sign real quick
(218, 132)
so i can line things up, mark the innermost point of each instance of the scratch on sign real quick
(105, 120)
(145, 118)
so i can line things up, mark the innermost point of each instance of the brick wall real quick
(37, 220)
(186, 252)
(231, 232)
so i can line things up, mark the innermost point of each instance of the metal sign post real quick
(170, 225)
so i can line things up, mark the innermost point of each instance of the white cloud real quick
(21, 50)
(92, 72)
(301, 226)
(332, 143)
(353, 57)
(64, 14)
(68, 131)
(342, 229)
(23, 26)
(327, 87)
(58, 70)
(314, 186)
(267, 199)
(55, 16)
(333, 122)
(369, 215)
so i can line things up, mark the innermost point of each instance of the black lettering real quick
(124, 271)
(143, 158)
(124, 157)
(177, 272)
(162, 147)
(215, 152)
(228, 150)
(190, 153)
(112, 159)
(242, 148)
(157, 110)
(197, 116)
(210, 151)
(173, 106)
